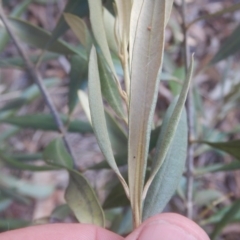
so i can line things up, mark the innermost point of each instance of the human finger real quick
(60, 232)
(168, 226)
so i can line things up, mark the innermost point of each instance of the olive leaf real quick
(83, 201)
(98, 117)
(38, 37)
(122, 31)
(79, 195)
(171, 128)
(147, 55)
(98, 28)
(109, 25)
(80, 29)
(167, 178)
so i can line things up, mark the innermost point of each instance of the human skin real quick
(167, 226)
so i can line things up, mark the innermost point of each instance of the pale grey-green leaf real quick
(167, 178)
(109, 87)
(98, 116)
(171, 128)
(147, 55)
(96, 18)
(109, 24)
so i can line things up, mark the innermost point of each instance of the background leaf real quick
(17, 12)
(109, 87)
(56, 154)
(83, 201)
(78, 77)
(97, 23)
(79, 195)
(38, 37)
(76, 7)
(228, 217)
(46, 122)
(17, 62)
(230, 147)
(229, 47)
(80, 29)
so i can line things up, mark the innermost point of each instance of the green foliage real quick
(119, 63)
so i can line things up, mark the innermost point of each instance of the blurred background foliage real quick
(32, 187)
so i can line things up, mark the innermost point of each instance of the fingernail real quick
(162, 230)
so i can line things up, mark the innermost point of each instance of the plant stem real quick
(190, 115)
(35, 75)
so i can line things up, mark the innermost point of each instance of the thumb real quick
(168, 226)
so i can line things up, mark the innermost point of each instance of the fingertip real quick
(60, 232)
(168, 226)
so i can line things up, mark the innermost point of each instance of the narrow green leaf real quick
(117, 135)
(28, 95)
(26, 188)
(17, 12)
(80, 29)
(168, 177)
(147, 55)
(230, 147)
(78, 8)
(98, 116)
(109, 25)
(18, 62)
(83, 201)
(233, 166)
(206, 197)
(46, 122)
(219, 215)
(12, 194)
(25, 157)
(229, 47)
(228, 218)
(8, 224)
(116, 198)
(78, 76)
(56, 154)
(96, 18)
(175, 87)
(109, 87)
(171, 128)
(79, 195)
(14, 163)
(60, 213)
(45, 1)
(37, 37)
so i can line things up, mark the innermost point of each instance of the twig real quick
(190, 114)
(38, 80)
